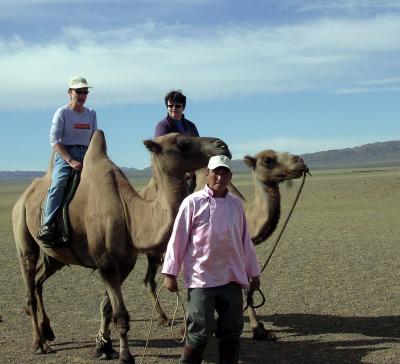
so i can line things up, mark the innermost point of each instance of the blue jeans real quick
(59, 181)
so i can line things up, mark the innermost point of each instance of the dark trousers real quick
(227, 301)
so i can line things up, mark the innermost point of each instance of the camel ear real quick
(152, 146)
(250, 161)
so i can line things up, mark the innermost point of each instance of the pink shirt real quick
(211, 239)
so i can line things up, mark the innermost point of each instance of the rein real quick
(178, 301)
(250, 293)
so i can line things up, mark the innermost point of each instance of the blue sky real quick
(290, 75)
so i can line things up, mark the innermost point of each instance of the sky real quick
(289, 75)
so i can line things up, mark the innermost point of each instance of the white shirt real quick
(72, 128)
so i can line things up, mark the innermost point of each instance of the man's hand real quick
(170, 283)
(254, 283)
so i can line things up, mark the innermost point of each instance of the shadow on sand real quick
(306, 324)
(382, 330)
(311, 347)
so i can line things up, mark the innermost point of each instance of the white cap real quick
(219, 161)
(78, 82)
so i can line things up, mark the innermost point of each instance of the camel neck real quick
(264, 211)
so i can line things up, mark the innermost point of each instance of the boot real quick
(46, 233)
(229, 351)
(191, 355)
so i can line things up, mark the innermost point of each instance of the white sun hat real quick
(219, 161)
(78, 82)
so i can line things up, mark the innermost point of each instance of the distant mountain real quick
(367, 155)
(136, 172)
(13, 175)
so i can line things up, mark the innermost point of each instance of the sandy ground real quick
(332, 287)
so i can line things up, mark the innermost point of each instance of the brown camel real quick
(269, 168)
(110, 223)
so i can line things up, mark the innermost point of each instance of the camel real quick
(269, 168)
(110, 224)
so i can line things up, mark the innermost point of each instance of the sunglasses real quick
(81, 92)
(176, 106)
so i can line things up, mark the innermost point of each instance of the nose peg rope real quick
(250, 293)
(287, 220)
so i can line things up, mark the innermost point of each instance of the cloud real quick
(137, 64)
(385, 81)
(343, 5)
(18, 3)
(391, 84)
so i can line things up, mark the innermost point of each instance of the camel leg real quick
(153, 262)
(259, 331)
(113, 277)
(46, 268)
(28, 255)
(104, 349)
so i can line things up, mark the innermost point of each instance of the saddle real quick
(61, 221)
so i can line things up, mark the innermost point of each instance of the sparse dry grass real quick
(332, 286)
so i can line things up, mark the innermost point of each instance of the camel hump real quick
(98, 146)
(51, 165)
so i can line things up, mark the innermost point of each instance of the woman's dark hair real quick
(175, 96)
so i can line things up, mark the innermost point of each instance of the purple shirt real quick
(210, 238)
(167, 125)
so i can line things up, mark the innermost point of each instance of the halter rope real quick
(249, 300)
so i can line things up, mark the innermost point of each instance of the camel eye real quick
(183, 145)
(269, 162)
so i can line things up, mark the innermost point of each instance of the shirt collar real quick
(208, 192)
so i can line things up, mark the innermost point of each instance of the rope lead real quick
(178, 300)
(287, 220)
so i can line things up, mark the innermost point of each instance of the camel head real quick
(177, 153)
(274, 167)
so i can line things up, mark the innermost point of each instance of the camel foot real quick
(47, 332)
(261, 333)
(41, 348)
(164, 321)
(106, 356)
(126, 358)
(104, 350)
